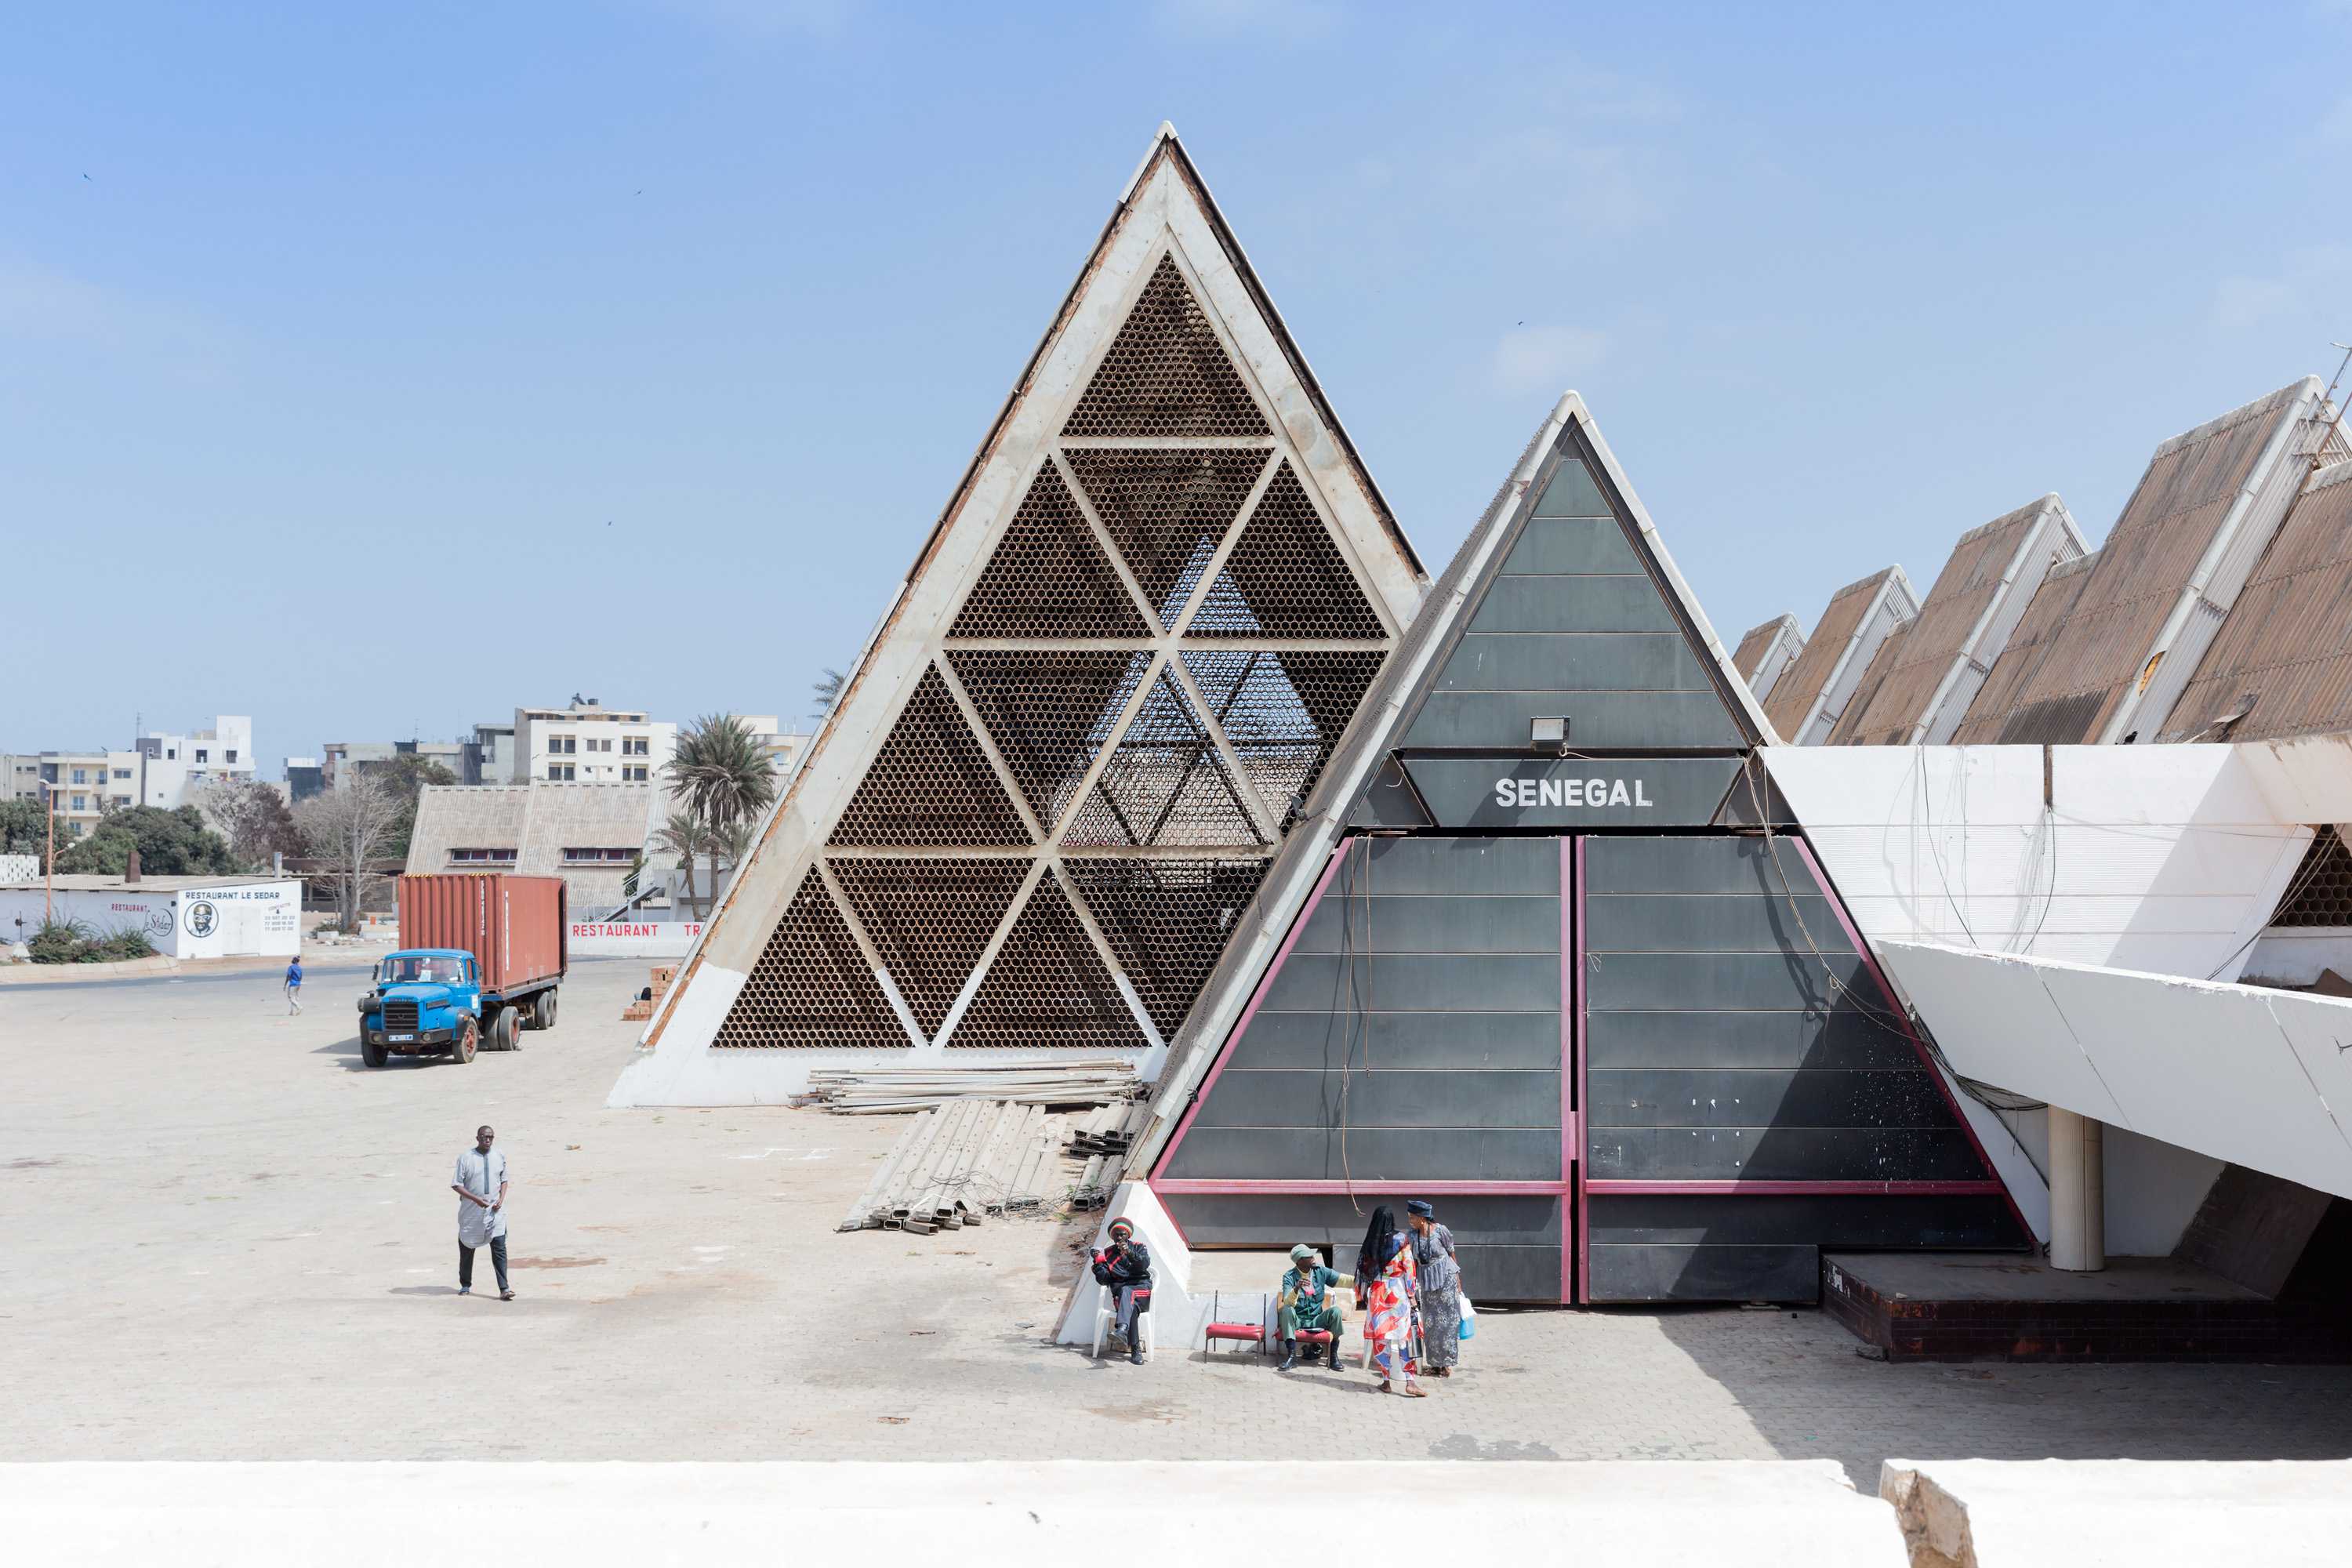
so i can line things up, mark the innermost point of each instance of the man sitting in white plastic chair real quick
(1124, 1268)
(1309, 1302)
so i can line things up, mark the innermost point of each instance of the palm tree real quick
(721, 772)
(685, 835)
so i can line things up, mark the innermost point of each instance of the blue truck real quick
(488, 955)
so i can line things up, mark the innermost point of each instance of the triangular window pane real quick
(811, 987)
(1285, 577)
(1049, 576)
(1166, 923)
(1048, 713)
(930, 919)
(930, 784)
(1049, 988)
(1166, 374)
(1282, 712)
(1165, 783)
(1167, 511)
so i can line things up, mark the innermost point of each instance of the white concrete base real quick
(2086, 1514)
(1661, 1515)
(1176, 1311)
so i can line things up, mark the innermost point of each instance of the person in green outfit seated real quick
(1310, 1300)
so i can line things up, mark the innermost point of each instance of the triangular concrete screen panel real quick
(1576, 994)
(1089, 716)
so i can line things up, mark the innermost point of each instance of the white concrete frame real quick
(1779, 651)
(1164, 212)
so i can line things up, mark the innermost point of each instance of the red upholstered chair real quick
(1233, 1327)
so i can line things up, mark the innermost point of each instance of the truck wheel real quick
(371, 1052)
(502, 1030)
(545, 1008)
(469, 1039)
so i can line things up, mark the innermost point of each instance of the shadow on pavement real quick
(1799, 1377)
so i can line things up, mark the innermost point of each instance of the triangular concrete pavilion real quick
(1551, 953)
(1088, 717)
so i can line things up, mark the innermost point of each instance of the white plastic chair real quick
(1107, 1317)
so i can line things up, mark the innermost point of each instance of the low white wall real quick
(631, 939)
(2163, 858)
(2293, 955)
(1797, 1513)
(105, 913)
(2071, 1514)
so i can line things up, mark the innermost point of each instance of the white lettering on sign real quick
(1520, 794)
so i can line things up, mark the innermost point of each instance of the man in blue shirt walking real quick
(294, 988)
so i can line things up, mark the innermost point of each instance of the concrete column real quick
(2078, 1193)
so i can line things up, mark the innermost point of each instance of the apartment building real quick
(87, 784)
(587, 743)
(172, 765)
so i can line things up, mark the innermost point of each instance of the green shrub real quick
(73, 942)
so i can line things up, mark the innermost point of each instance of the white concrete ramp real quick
(1799, 1514)
(2237, 1072)
(2129, 1513)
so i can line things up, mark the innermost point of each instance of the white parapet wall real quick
(2163, 858)
(1138, 1514)
(2074, 1513)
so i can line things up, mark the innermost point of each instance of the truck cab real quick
(426, 1001)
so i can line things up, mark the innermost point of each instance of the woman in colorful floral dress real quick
(1385, 1274)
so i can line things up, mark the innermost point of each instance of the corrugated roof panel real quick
(2014, 671)
(2288, 643)
(1817, 686)
(2186, 505)
(1968, 617)
(1799, 686)
(1889, 658)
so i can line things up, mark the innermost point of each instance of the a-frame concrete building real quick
(1551, 952)
(1088, 717)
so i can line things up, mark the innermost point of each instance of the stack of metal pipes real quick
(1109, 1129)
(958, 1164)
(886, 1091)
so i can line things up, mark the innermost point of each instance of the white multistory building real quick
(172, 767)
(160, 770)
(586, 742)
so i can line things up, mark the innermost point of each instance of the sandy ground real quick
(222, 1236)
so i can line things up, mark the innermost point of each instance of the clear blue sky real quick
(373, 370)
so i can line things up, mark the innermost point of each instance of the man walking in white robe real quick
(480, 1185)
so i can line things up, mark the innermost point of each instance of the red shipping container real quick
(514, 926)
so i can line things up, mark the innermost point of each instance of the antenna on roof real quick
(2319, 450)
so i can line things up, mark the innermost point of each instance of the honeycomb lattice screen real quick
(1062, 825)
(2320, 894)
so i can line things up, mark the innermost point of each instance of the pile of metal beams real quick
(888, 1091)
(959, 1164)
(1109, 1129)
